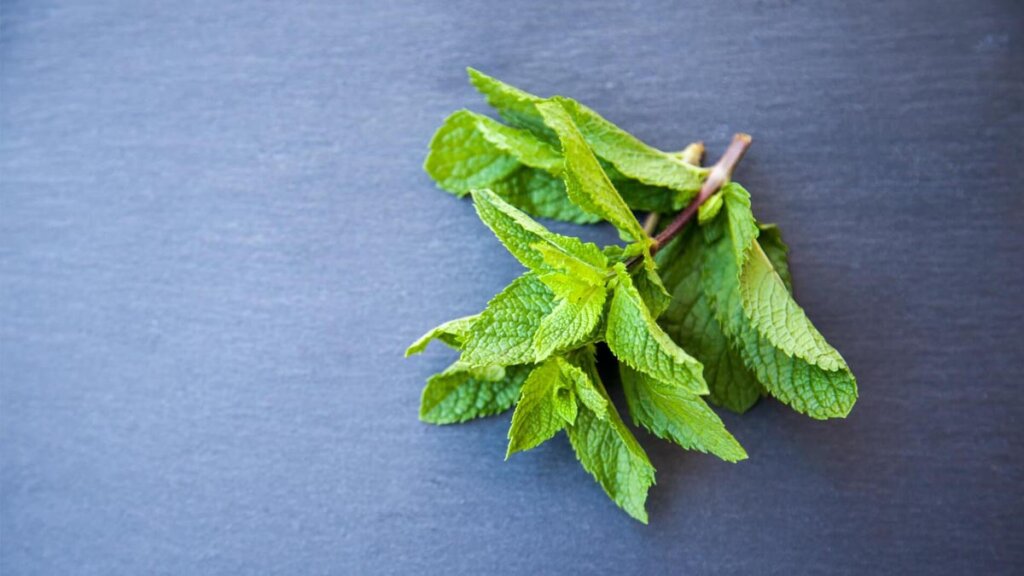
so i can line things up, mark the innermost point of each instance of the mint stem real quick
(720, 175)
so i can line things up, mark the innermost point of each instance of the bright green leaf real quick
(676, 415)
(709, 209)
(812, 378)
(523, 236)
(463, 392)
(536, 418)
(451, 333)
(572, 320)
(584, 387)
(626, 153)
(471, 151)
(585, 182)
(504, 332)
(691, 323)
(609, 451)
(637, 340)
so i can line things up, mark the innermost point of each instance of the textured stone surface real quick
(215, 233)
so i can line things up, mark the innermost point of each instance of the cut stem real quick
(720, 174)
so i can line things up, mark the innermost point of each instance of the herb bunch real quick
(703, 311)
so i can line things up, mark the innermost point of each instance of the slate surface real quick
(216, 240)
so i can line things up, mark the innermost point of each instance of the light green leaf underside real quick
(609, 451)
(691, 323)
(765, 298)
(809, 387)
(504, 333)
(625, 152)
(531, 243)
(536, 418)
(585, 182)
(778, 317)
(675, 415)
(462, 393)
(451, 333)
(637, 340)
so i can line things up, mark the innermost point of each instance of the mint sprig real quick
(702, 311)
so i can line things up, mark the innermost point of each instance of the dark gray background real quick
(216, 240)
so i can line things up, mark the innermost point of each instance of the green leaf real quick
(637, 340)
(774, 337)
(585, 182)
(540, 194)
(451, 333)
(607, 449)
(771, 242)
(461, 159)
(709, 209)
(515, 106)
(632, 157)
(675, 415)
(778, 317)
(463, 392)
(691, 322)
(523, 145)
(649, 284)
(531, 243)
(504, 333)
(573, 319)
(536, 418)
(565, 404)
(625, 152)
(583, 386)
(470, 151)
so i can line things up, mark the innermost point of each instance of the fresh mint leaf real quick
(522, 144)
(676, 415)
(536, 418)
(632, 157)
(504, 333)
(515, 106)
(565, 404)
(463, 392)
(471, 151)
(637, 340)
(812, 377)
(461, 159)
(625, 152)
(451, 333)
(585, 182)
(652, 291)
(540, 194)
(691, 322)
(531, 243)
(576, 314)
(609, 451)
(709, 209)
(583, 386)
